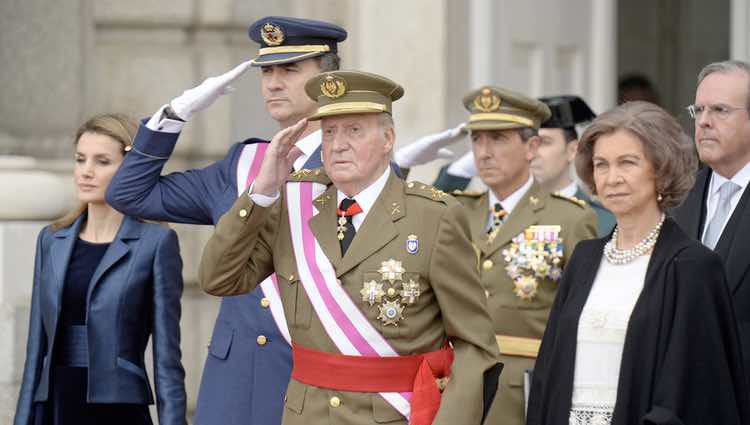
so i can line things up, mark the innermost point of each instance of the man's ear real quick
(571, 149)
(531, 146)
(390, 139)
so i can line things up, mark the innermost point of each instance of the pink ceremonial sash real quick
(344, 322)
(248, 166)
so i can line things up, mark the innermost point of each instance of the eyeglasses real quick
(719, 111)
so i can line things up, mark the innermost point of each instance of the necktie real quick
(345, 229)
(498, 213)
(713, 232)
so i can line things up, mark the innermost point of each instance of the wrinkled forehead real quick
(730, 88)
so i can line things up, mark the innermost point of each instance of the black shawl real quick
(681, 361)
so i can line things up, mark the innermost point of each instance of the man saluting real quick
(378, 277)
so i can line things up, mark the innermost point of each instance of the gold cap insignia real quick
(333, 87)
(487, 101)
(271, 34)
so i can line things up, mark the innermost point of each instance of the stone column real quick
(29, 198)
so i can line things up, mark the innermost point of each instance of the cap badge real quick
(487, 101)
(271, 34)
(333, 87)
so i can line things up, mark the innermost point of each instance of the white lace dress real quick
(601, 337)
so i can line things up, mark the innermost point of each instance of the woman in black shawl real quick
(642, 329)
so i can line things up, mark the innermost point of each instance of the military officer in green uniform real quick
(523, 235)
(377, 276)
(551, 162)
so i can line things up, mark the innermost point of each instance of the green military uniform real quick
(419, 232)
(520, 290)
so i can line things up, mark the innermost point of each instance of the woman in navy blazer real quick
(103, 284)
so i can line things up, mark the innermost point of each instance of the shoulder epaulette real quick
(580, 202)
(427, 191)
(468, 193)
(316, 175)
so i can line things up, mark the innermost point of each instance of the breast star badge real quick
(525, 287)
(391, 270)
(372, 292)
(391, 312)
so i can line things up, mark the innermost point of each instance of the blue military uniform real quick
(249, 363)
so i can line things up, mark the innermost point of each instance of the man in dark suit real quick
(249, 362)
(716, 209)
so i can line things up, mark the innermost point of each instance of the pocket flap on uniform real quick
(295, 396)
(221, 340)
(383, 412)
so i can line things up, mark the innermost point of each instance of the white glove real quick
(464, 166)
(201, 97)
(429, 148)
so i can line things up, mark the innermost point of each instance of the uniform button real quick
(265, 302)
(243, 213)
(487, 264)
(261, 340)
(335, 401)
(128, 148)
(391, 292)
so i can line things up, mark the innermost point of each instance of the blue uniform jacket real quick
(243, 382)
(134, 293)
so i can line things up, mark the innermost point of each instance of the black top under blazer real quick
(134, 294)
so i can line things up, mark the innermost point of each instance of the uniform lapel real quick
(479, 226)
(129, 229)
(378, 228)
(523, 216)
(323, 225)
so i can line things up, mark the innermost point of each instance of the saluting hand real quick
(279, 158)
(202, 96)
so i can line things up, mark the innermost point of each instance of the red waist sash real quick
(417, 374)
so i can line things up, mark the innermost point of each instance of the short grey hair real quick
(527, 133)
(385, 121)
(727, 67)
(329, 62)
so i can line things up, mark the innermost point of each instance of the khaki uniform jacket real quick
(250, 242)
(511, 315)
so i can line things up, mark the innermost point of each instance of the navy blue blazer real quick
(134, 293)
(243, 382)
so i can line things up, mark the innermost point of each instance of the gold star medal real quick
(372, 292)
(525, 287)
(391, 312)
(391, 270)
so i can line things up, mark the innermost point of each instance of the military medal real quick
(391, 312)
(536, 253)
(391, 270)
(372, 292)
(409, 292)
(525, 287)
(341, 228)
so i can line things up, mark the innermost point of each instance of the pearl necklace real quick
(624, 256)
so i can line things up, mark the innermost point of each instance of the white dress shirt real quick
(510, 202)
(742, 178)
(569, 190)
(366, 198)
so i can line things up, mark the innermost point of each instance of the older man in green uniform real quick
(523, 235)
(377, 276)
